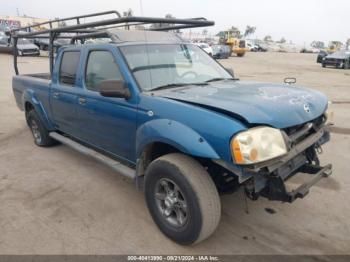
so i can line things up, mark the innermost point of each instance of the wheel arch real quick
(162, 136)
(174, 134)
(31, 103)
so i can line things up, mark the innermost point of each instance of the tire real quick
(323, 64)
(346, 65)
(197, 198)
(40, 133)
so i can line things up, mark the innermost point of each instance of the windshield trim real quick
(155, 43)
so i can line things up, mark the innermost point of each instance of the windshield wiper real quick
(177, 85)
(219, 79)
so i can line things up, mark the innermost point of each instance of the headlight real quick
(257, 145)
(329, 114)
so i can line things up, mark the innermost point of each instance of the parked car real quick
(255, 46)
(251, 46)
(5, 46)
(221, 51)
(339, 59)
(27, 48)
(206, 48)
(43, 43)
(322, 54)
(260, 48)
(161, 111)
(311, 50)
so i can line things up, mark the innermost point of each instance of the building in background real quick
(11, 21)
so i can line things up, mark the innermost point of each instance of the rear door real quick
(106, 122)
(63, 95)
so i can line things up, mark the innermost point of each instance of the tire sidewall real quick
(46, 140)
(188, 233)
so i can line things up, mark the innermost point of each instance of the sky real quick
(300, 21)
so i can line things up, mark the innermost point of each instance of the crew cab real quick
(168, 115)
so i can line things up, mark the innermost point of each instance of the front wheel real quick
(182, 198)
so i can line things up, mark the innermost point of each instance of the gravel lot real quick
(56, 201)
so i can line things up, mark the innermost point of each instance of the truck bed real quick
(46, 76)
(37, 84)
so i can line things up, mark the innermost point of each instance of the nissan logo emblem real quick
(306, 108)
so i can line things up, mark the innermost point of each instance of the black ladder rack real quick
(97, 29)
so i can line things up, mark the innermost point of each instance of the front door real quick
(106, 122)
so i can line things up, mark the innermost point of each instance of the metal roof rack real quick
(96, 29)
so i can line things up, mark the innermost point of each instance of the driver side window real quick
(100, 66)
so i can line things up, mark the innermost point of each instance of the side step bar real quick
(115, 165)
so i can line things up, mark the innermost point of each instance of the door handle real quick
(56, 95)
(82, 101)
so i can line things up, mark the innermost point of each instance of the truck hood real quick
(276, 105)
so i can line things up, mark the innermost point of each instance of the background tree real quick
(283, 40)
(161, 25)
(318, 44)
(348, 43)
(129, 12)
(234, 32)
(268, 38)
(249, 30)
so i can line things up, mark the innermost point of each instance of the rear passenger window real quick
(101, 66)
(69, 67)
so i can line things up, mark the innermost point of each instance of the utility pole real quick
(17, 11)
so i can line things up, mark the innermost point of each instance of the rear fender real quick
(29, 97)
(175, 134)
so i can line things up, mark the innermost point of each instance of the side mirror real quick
(114, 88)
(230, 71)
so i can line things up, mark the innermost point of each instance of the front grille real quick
(333, 61)
(299, 132)
(30, 51)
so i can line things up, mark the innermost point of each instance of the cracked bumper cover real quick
(269, 179)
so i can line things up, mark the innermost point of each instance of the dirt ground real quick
(56, 201)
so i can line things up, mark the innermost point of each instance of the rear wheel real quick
(40, 133)
(182, 198)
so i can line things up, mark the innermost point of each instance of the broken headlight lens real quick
(258, 144)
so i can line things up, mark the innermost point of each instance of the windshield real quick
(156, 65)
(22, 41)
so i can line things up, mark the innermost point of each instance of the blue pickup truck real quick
(163, 112)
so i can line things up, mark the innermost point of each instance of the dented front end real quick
(304, 144)
(270, 179)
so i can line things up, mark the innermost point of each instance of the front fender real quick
(29, 96)
(175, 134)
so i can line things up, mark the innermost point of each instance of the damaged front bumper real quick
(276, 189)
(269, 179)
